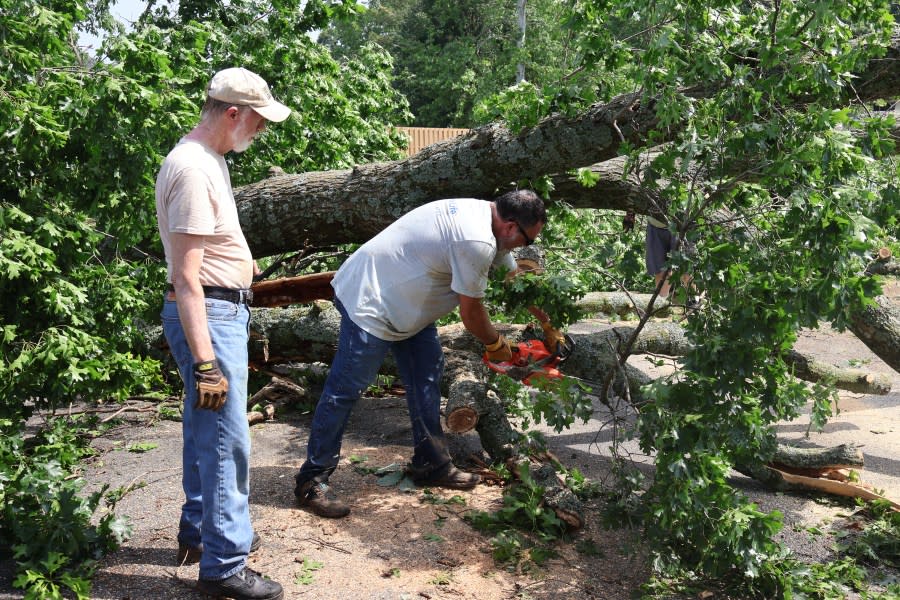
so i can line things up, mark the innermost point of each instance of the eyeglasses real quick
(528, 241)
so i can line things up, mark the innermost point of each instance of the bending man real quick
(389, 293)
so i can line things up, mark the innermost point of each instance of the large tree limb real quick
(282, 213)
(817, 469)
(878, 326)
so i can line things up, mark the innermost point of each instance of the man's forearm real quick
(477, 321)
(192, 313)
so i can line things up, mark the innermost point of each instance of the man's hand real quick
(552, 337)
(499, 351)
(212, 387)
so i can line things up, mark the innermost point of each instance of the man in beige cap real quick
(205, 317)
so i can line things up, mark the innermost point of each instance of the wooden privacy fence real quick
(419, 137)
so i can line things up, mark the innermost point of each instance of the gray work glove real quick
(212, 387)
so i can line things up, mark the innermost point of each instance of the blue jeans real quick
(216, 453)
(420, 361)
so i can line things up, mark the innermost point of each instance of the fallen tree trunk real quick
(852, 380)
(283, 213)
(878, 326)
(815, 469)
(309, 333)
(622, 304)
(886, 267)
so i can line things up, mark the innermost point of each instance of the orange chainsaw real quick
(531, 359)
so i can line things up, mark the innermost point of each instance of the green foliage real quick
(522, 509)
(141, 447)
(69, 295)
(53, 528)
(455, 60)
(306, 575)
(524, 528)
(554, 294)
(429, 497)
(769, 144)
(80, 262)
(878, 541)
(604, 258)
(556, 402)
(774, 170)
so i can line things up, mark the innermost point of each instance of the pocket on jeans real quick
(221, 310)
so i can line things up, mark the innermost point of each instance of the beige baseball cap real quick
(242, 87)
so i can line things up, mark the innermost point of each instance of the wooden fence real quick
(419, 137)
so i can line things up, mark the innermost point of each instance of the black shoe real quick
(189, 555)
(446, 477)
(319, 498)
(244, 585)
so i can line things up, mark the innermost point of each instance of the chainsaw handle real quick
(564, 351)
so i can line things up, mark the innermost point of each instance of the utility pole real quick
(520, 68)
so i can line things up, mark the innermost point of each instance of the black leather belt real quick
(238, 296)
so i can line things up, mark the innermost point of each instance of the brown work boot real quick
(189, 555)
(321, 500)
(447, 476)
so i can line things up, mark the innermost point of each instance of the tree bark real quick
(888, 267)
(878, 326)
(309, 334)
(852, 380)
(622, 304)
(282, 213)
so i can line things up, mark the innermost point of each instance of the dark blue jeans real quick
(420, 361)
(216, 453)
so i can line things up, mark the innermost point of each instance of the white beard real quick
(241, 137)
(242, 144)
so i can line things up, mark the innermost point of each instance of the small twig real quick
(114, 415)
(327, 545)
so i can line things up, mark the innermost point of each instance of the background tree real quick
(452, 56)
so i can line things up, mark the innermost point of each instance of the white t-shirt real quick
(411, 274)
(194, 195)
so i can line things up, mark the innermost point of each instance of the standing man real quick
(205, 319)
(389, 293)
(659, 244)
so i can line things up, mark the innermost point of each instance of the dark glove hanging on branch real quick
(212, 387)
(628, 221)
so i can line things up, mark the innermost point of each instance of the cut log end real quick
(572, 520)
(462, 419)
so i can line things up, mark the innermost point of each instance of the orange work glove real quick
(552, 337)
(212, 387)
(499, 351)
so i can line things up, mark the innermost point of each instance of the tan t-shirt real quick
(194, 196)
